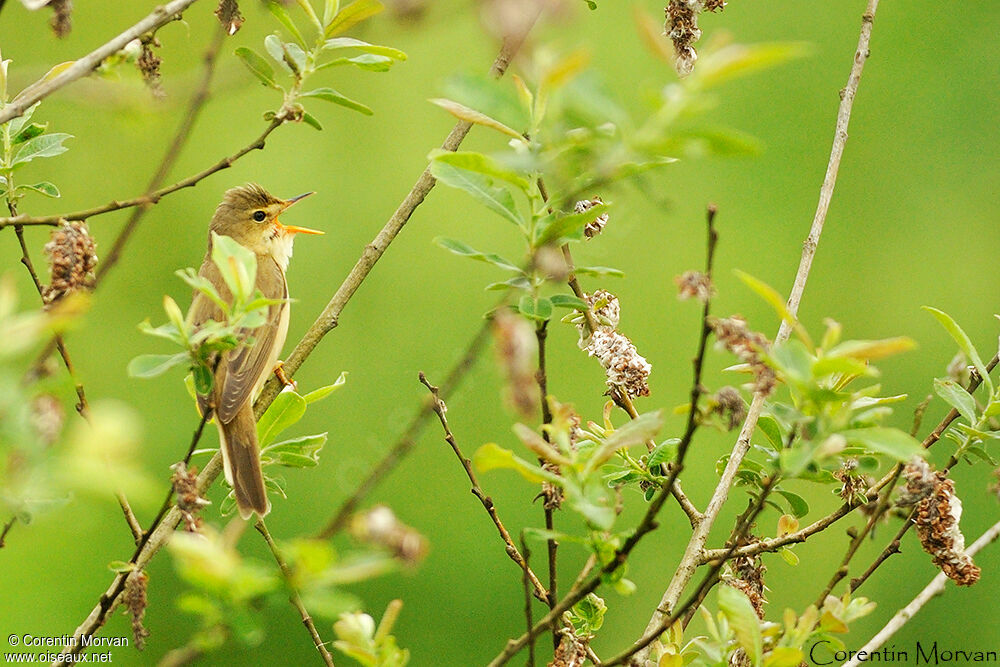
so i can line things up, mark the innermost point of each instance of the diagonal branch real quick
(85, 65)
(440, 409)
(692, 554)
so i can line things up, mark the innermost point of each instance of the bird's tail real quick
(241, 460)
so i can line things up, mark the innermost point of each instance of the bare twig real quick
(934, 588)
(440, 409)
(86, 64)
(552, 546)
(693, 551)
(527, 599)
(293, 593)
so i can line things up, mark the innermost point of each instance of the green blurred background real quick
(913, 222)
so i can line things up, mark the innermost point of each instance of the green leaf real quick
(743, 620)
(352, 14)
(587, 615)
(956, 396)
(272, 44)
(769, 426)
(323, 392)
(151, 365)
(43, 188)
(776, 301)
(330, 9)
(797, 503)
(331, 95)
(599, 271)
(300, 452)
(285, 411)
(237, 264)
(890, 441)
(951, 326)
(46, 145)
(202, 379)
(539, 309)
(785, 656)
(793, 360)
(871, 350)
(280, 13)
(463, 112)
(481, 164)
(569, 226)
(29, 132)
(665, 452)
(788, 556)
(569, 301)
(257, 65)
(15, 125)
(499, 200)
(351, 43)
(464, 250)
(640, 429)
(311, 121)
(491, 456)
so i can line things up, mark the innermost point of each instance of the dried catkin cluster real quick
(594, 227)
(694, 285)
(624, 366)
(189, 500)
(135, 604)
(379, 526)
(734, 334)
(681, 26)
(937, 518)
(72, 255)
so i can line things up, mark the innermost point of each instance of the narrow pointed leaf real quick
(283, 17)
(351, 43)
(964, 343)
(956, 397)
(352, 14)
(151, 365)
(497, 199)
(287, 409)
(331, 95)
(43, 188)
(45, 145)
(463, 112)
(323, 392)
(464, 250)
(259, 67)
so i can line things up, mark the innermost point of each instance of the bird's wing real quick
(239, 369)
(248, 363)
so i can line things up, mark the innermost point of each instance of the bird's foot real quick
(279, 372)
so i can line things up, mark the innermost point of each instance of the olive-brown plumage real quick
(249, 215)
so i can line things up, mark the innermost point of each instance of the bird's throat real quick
(279, 246)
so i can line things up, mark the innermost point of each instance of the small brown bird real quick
(248, 215)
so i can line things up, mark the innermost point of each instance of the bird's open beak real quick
(291, 229)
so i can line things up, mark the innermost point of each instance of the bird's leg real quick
(279, 372)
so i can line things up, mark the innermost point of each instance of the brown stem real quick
(6, 529)
(440, 409)
(552, 546)
(293, 594)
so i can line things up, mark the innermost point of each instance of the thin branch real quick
(293, 594)
(88, 63)
(890, 549)
(440, 409)
(934, 588)
(693, 551)
(527, 598)
(408, 440)
(552, 546)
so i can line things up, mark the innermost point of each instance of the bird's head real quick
(249, 215)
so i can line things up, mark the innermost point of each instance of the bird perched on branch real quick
(248, 215)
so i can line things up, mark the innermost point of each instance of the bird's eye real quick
(259, 216)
